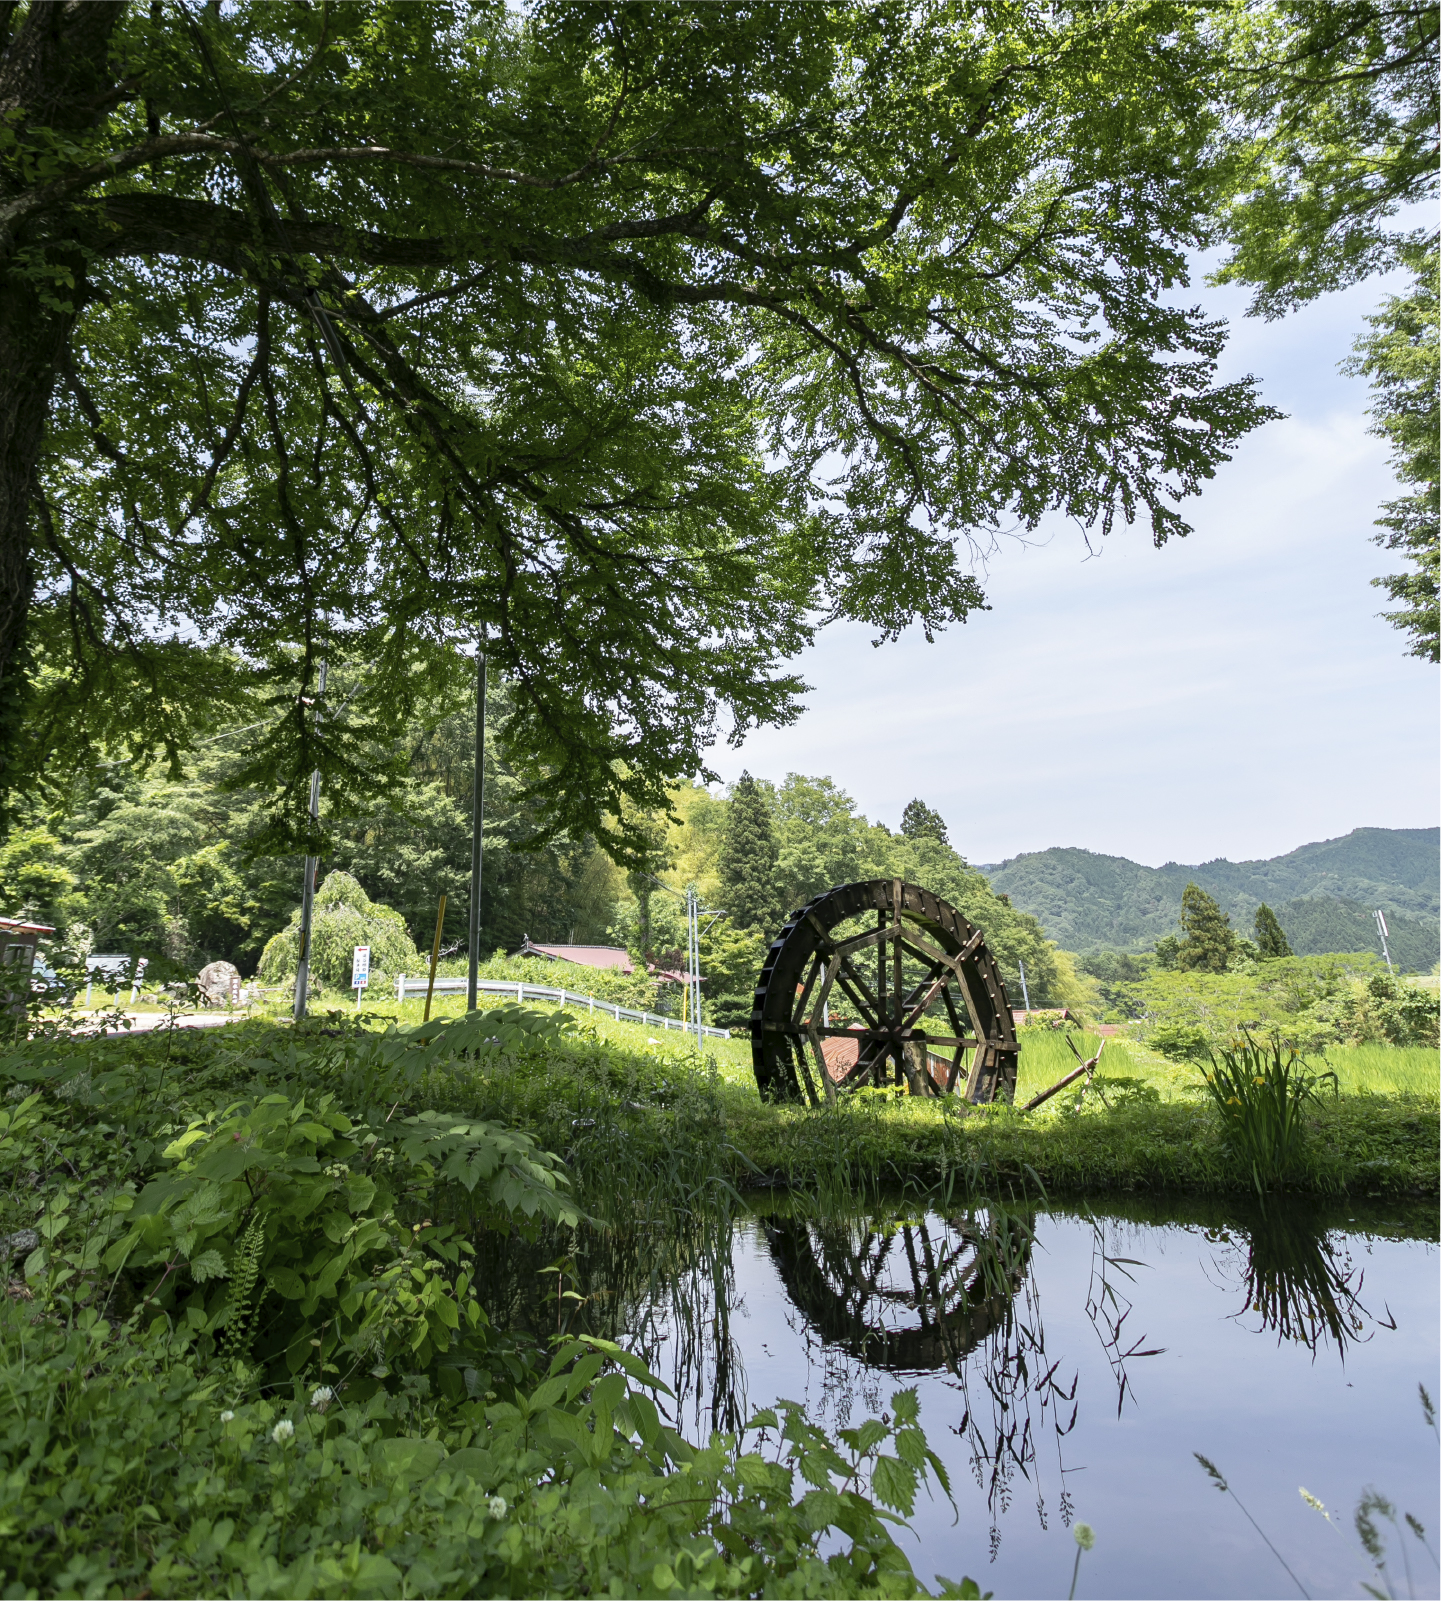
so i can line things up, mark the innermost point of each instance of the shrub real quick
(1181, 1042)
(1260, 1092)
(344, 917)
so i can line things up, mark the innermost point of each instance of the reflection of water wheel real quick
(860, 1288)
(917, 975)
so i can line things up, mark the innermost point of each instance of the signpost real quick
(360, 972)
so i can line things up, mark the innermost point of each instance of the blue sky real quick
(1234, 694)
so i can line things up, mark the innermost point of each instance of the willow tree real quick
(640, 339)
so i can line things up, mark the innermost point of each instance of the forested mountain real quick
(1323, 893)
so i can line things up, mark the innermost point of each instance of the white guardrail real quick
(540, 992)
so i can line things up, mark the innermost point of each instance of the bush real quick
(1387, 1011)
(344, 917)
(251, 1358)
(1260, 1092)
(1181, 1042)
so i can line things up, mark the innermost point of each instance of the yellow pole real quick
(434, 957)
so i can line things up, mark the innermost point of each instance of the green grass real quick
(1385, 1070)
(1145, 1126)
(655, 1105)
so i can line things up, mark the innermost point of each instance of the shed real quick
(18, 943)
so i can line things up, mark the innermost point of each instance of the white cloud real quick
(1232, 694)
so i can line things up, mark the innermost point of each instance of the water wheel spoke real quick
(925, 952)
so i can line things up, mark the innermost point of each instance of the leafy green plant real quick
(345, 916)
(1261, 1092)
(131, 1463)
(1180, 1042)
(301, 1203)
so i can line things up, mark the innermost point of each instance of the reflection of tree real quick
(1298, 1278)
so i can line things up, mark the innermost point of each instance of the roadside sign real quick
(360, 967)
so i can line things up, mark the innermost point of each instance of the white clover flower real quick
(282, 1431)
(497, 1507)
(226, 1415)
(1085, 1536)
(321, 1397)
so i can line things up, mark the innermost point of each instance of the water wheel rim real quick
(805, 964)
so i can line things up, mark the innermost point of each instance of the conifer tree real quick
(748, 857)
(918, 821)
(1271, 938)
(1210, 941)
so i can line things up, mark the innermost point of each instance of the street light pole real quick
(312, 868)
(477, 825)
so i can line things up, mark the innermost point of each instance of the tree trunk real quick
(54, 74)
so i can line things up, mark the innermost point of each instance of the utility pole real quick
(1383, 931)
(692, 929)
(1024, 991)
(477, 825)
(312, 868)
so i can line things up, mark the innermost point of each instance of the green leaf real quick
(408, 1459)
(893, 1483)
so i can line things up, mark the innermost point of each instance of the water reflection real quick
(906, 1293)
(1299, 1278)
(949, 1298)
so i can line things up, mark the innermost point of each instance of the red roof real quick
(584, 955)
(13, 925)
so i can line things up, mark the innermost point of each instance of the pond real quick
(1071, 1362)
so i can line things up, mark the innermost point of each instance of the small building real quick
(1051, 1016)
(18, 944)
(606, 956)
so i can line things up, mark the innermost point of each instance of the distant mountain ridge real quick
(1328, 889)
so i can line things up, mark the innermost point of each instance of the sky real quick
(1233, 694)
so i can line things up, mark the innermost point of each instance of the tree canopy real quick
(1336, 132)
(1400, 356)
(1208, 941)
(1271, 939)
(365, 332)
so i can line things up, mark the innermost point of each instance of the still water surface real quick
(1070, 1363)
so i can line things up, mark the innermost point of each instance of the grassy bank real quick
(1144, 1124)
(611, 1088)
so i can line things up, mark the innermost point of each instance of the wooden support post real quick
(1087, 1067)
(434, 956)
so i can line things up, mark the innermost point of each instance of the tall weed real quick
(1261, 1092)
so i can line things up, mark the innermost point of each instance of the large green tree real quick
(749, 861)
(1271, 938)
(360, 330)
(920, 821)
(1333, 145)
(1208, 941)
(1400, 356)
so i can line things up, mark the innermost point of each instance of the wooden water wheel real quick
(882, 982)
(908, 1296)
